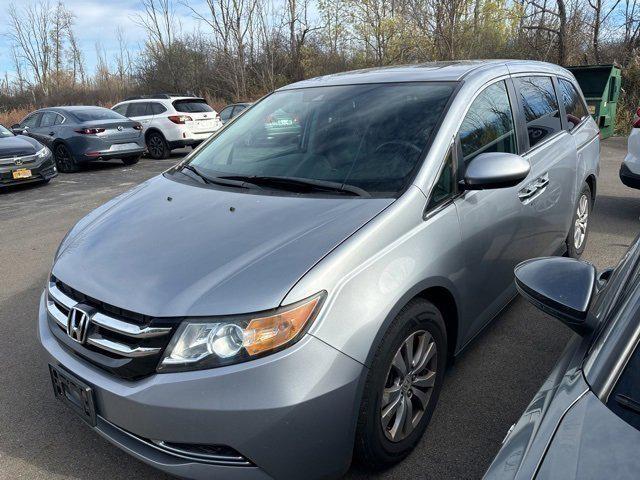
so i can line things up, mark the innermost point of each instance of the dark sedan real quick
(585, 420)
(77, 135)
(23, 159)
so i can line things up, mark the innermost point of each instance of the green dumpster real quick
(601, 87)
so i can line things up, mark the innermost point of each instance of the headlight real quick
(207, 343)
(43, 152)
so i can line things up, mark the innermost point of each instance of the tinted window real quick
(194, 105)
(573, 104)
(31, 121)
(540, 107)
(121, 109)
(445, 186)
(59, 119)
(48, 119)
(368, 136)
(139, 109)
(157, 108)
(488, 125)
(225, 114)
(96, 114)
(238, 109)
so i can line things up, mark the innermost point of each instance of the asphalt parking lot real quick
(485, 391)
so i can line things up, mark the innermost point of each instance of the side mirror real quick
(562, 287)
(495, 170)
(17, 129)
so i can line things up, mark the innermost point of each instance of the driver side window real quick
(30, 121)
(488, 125)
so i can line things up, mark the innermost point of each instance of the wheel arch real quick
(442, 293)
(154, 130)
(592, 182)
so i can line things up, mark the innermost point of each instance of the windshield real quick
(370, 137)
(96, 114)
(4, 132)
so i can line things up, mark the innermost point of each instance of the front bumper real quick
(629, 178)
(41, 170)
(291, 414)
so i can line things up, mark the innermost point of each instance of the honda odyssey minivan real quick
(276, 305)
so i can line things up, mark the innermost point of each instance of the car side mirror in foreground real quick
(17, 129)
(495, 170)
(562, 287)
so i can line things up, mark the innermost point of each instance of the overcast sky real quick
(95, 24)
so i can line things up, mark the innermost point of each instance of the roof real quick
(72, 108)
(431, 71)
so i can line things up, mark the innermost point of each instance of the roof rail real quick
(158, 96)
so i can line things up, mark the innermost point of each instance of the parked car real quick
(81, 134)
(630, 168)
(23, 159)
(584, 422)
(171, 121)
(233, 110)
(291, 300)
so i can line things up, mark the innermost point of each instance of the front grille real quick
(126, 343)
(18, 160)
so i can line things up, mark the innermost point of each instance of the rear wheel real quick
(64, 160)
(157, 146)
(402, 386)
(577, 237)
(131, 160)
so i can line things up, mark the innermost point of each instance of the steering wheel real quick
(402, 143)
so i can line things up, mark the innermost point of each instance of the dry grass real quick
(10, 117)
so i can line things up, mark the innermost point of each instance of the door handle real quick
(534, 188)
(51, 134)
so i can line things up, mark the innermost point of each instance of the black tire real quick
(157, 146)
(580, 224)
(64, 159)
(131, 160)
(373, 448)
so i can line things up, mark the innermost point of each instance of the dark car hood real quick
(18, 146)
(173, 249)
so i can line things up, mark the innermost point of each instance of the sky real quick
(96, 22)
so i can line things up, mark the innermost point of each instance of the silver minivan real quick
(288, 296)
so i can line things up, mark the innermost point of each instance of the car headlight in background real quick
(43, 152)
(205, 343)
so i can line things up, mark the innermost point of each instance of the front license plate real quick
(74, 393)
(21, 173)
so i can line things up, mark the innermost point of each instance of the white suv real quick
(171, 121)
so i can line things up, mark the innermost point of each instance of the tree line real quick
(243, 49)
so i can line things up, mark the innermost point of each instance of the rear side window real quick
(157, 108)
(540, 107)
(573, 104)
(139, 109)
(59, 119)
(48, 119)
(193, 105)
(488, 125)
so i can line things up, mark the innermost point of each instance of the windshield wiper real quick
(228, 182)
(298, 184)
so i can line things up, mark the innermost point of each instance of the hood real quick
(18, 146)
(173, 249)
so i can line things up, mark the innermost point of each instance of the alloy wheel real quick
(410, 381)
(582, 219)
(155, 145)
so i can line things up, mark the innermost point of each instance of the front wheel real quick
(402, 386)
(577, 237)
